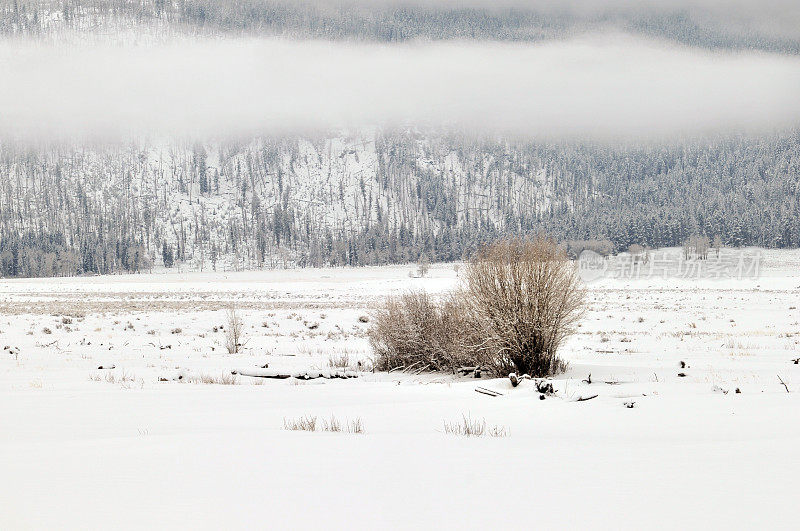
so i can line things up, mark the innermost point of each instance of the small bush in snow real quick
(233, 334)
(520, 300)
(525, 297)
(339, 361)
(414, 329)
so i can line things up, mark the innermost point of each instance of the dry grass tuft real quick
(331, 425)
(355, 426)
(308, 423)
(223, 379)
(334, 425)
(469, 427)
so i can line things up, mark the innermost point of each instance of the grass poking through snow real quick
(469, 427)
(309, 423)
(222, 379)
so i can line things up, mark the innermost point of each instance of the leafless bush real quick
(339, 361)
(520, 300)
(233, 332)
(423, 266)
(524, 297)
(414, 330)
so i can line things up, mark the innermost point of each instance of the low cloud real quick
(591, 87)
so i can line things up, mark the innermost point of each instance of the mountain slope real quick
(377, 196)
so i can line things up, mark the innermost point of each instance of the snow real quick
(78, 451)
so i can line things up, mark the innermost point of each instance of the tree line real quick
(381, 21)
(379, 197)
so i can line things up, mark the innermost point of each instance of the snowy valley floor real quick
(85, 448)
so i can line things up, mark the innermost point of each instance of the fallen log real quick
(486, 391)
(585, 398)
(410, 367)
(299, 375)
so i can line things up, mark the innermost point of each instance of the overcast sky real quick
(600, 86)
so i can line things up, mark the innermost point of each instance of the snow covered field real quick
(85, 448)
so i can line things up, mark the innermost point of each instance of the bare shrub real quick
(233, 332)
(524, 297)
(339, 361)
(423, 266)
(414, 330)
(520, 299)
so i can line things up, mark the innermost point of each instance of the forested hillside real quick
(377, 196)
(394, 21)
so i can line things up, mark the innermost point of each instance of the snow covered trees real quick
(381, 197)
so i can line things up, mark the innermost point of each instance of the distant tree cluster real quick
(379, 197)
(696, 247)
(574, 248)
(381, 21)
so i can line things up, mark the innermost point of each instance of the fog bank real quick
(589, 87)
